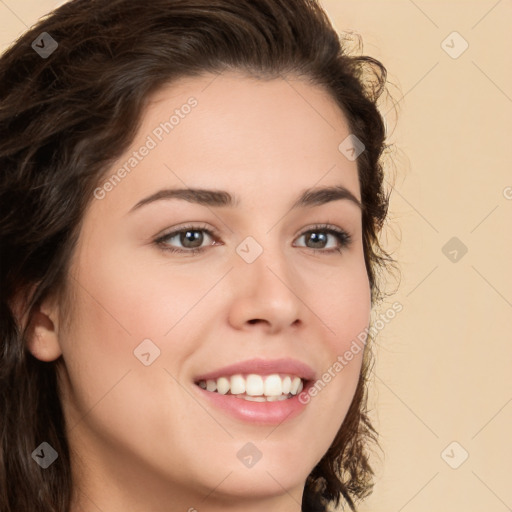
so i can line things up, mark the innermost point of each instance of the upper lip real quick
(262, 367)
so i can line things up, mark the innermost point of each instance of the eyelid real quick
(188, 227)
(324, 227)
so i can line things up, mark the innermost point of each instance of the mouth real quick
(257, 391)
(255, 388)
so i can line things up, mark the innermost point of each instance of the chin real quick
(261, 482)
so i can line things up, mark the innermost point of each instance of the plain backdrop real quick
(441, 395)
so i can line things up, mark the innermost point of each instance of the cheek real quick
(121, 303)
(107, 389)
(133, 298)
(345, 308)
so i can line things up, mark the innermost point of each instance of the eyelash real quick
(343, 237)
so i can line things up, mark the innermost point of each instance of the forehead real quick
(258, 138)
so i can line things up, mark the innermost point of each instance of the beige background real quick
(443, 369)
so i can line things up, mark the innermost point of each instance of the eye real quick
(319, 237)
(191, 238)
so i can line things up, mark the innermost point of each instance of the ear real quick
(42, 332)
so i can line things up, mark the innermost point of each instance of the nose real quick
(266, 294)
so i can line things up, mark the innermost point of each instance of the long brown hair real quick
(67, 115)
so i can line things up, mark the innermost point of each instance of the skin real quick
(139, 440)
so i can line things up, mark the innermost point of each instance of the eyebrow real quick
(220, 198)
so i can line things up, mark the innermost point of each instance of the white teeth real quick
(263, 398)
(295, 385)
(222, 385)
(255, 398)
(256, 388)
(287, 384)
(273, 386)
(237, 385)
(254, 385)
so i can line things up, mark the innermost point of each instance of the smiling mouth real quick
(255, 388)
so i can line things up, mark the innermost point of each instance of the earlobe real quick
(42, 334)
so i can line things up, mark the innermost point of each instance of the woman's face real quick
(263, 297)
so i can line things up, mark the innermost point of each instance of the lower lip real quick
(260, 413)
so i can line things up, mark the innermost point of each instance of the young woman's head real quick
(190, 196)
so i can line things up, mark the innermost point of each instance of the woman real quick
(191, 194)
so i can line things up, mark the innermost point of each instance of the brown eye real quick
(189, 239)
(318, 238)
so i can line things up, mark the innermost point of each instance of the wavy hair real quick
(65, 118)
